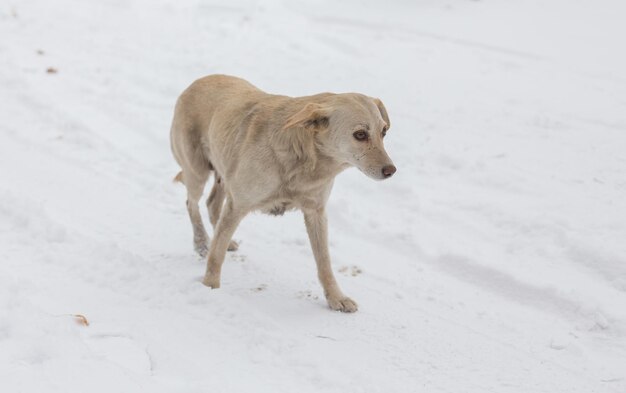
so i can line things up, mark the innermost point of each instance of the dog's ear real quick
(312, 116)
(383, 111)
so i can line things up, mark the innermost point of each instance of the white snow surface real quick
(493, 261)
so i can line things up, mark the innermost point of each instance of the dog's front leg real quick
(228, 221)
(317, 228)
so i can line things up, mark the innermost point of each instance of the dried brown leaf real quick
(81, 319)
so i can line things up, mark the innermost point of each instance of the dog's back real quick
(195, 110)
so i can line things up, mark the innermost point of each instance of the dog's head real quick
(350, 129)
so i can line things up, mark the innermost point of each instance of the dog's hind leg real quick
(214, 204)
(195, 187)
(229, 220)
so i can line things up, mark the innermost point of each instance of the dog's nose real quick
(388, 170)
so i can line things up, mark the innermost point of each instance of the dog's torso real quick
(239, 130)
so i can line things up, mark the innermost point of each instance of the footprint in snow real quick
(260, 288)
(350, 270)
(307, 295)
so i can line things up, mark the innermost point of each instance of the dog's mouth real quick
(377, 172)
(375, 164)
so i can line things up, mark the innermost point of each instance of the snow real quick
(493, 261)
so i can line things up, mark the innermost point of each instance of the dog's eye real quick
(360, 135)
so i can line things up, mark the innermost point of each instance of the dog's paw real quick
(201, 247)
(203, 251)
(211, 282)
(343, 304)
(233, 246)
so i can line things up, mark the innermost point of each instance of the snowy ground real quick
(494, 261)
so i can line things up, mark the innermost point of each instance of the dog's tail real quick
(179, 178)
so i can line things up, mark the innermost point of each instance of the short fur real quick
(271, 153)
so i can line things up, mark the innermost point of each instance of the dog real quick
(272, 153)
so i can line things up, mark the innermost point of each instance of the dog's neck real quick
(310, 161)
(326, 163)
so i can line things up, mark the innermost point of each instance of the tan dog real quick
(272, 153)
